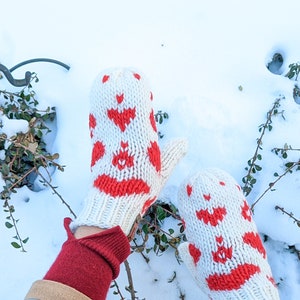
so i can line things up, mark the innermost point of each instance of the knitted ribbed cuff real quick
(89, 264)
(106, 212)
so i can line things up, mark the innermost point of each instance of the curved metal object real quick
(23, 82)
(12, 80)
(49, 60)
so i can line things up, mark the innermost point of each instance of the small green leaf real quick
(4, 169)
(25, 240)
(145, 228)
(289, 164)
(16, 245)
(9, 225)
(171, 230)
(258, 168)
(164, 238)
(181, 230)
(161, 214)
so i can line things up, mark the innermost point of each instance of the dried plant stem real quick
(285, 149)
(297, 221)
(130, 281)
(175, 216)
(57, 194)
(271, 185)
(158, 228)
(118, 290)
(136, 247)
(21, 178)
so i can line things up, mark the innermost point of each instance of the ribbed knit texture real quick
(128, 168)
(89, 264)
(224, 252)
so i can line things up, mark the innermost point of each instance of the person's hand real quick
(128, 168)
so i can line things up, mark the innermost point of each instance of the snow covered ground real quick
(206, 61)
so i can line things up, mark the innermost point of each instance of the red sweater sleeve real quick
(90, 264)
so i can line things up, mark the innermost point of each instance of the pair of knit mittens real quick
(128, 170)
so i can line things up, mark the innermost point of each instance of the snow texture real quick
(207, 64)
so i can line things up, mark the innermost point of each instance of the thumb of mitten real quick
(190, 255)
(171, 153)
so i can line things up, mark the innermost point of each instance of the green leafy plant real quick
(294, 70)
(152, 225)
(253, 165)
(160, 117)
(24, 153)
(293, 73)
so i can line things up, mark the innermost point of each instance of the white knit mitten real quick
(128, 169)
(224, 252)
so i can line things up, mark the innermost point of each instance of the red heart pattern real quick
(120, 98)
(195, 253)
(122, 159)
(212, 218)
(121, 118)
(213, 214)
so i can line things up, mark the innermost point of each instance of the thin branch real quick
(297, 221)
(175, 216)
(130, 281)
(21, 178)
(271, 185)
(57, 194)
(10, 210)
(118, 290)
(285, 149)
(141, 252)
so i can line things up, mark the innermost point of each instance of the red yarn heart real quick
(120, 98)
(121, 118)
(189, 190)
(213, 218)
(105, 78)
(253, 239)
(97, 153)
(154, 156)
(195, 253)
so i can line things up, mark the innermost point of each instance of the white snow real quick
(206, 61)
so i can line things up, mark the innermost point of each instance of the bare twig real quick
(271, 185)
(21, 178)
(130, 281)
(57, 194)
(134, 248)
(285, 149)
(175, 216)
(118, 290)
(297, 221)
